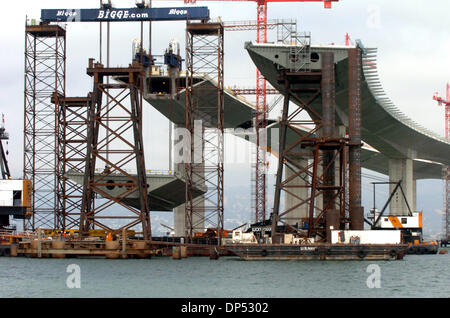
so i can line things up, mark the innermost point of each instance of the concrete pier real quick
(290, 201)
(401, 169)
(179, 215)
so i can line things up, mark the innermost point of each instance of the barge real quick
(256, 243)
(318, 251)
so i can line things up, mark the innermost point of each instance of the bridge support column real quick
(300, 212)
(401, 169)
(179, 213)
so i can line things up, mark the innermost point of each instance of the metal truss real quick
(323, 168)
(114, 143)
(446, 222)
(72, 114)
(45, 65)
(205, 123)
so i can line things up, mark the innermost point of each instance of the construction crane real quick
(446, 103)
(3, 162)
(347, 40)
(261, 103)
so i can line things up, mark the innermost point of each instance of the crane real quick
(261, 102)
(446, 103)
(261, 37)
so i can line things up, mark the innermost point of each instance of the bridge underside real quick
(165, 192)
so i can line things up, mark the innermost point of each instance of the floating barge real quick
(135, 249)
(74, 249)
(318, 251)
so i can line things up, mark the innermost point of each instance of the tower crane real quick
(446, 103)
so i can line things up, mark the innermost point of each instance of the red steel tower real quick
(446, 103)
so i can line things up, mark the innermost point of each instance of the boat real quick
(255, 243)
(318, 251)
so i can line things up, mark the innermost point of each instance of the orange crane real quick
(261, 102)
(446, 103)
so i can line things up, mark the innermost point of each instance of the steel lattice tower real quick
(446, 104)
(260, 164)
(72, 114)
(107, 158)
(205, 124)
(45, 67)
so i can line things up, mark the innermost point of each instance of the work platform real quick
(117, 249)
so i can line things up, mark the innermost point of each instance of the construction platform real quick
(318, 251)
(134, 249)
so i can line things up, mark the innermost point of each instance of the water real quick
(199, 277)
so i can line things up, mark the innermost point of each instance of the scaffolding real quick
(45, 67)
(114, 144)
(72, 115)
(446, 231)
(205, 125)
(317, 159)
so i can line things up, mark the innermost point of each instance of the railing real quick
(15, 234)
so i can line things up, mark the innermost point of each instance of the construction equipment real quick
(261, 104)
(446, 104)
(45, 64)
(15, 195)
(212, 233)
(15, 200)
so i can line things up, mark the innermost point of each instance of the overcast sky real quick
(412, 38)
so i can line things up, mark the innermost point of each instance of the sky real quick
(412, 37)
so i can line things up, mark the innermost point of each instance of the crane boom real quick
(446, 104)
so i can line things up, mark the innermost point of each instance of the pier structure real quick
(72, 136)
(385, 132)
(205, 125)
(325, 150)
(45, 73)
(321, 165)
(124, 146)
